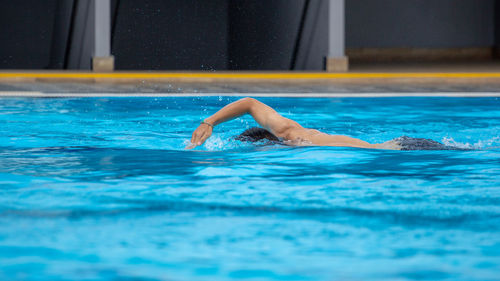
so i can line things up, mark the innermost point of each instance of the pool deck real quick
(369, 80)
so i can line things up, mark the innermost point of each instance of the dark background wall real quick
(263, 34)
(171, 34)
(419, 23)
(497, 27)
(235, 34)
(217, 34)
(26, 28)
(278, 34)
(312, 46)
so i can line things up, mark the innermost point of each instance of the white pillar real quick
(336, 60)
(102, 61)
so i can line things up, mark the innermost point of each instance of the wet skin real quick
(291, 132)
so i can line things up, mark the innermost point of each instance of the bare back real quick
(304, 137)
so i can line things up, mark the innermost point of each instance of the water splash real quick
(493, 142)
(219, 142)
(216, 143)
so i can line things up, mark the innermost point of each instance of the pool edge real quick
(36, 94)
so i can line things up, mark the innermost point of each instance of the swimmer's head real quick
(257, 134)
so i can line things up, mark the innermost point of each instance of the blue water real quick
(101, 188)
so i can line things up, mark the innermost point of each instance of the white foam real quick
(481, 144)
(216, 143)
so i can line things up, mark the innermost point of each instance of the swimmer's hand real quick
(200, 135)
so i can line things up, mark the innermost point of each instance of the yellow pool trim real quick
(242, 75)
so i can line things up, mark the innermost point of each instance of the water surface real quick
(102, 188)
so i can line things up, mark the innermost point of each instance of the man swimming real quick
(280, 129)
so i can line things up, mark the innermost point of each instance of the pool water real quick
(102, 188)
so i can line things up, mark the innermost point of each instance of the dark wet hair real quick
(257, 134)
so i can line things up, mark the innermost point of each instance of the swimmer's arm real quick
(267, 117)
(271, 120)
